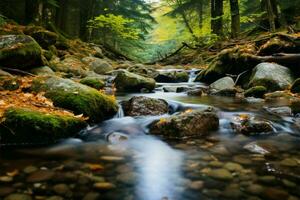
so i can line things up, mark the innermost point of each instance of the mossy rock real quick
(70, 65)
(43, 71)
(257, 92)
(77, 97)
(93, 82)
(172, 76)
(277, 45)
(43, 37)
(25, 126)
(20, 52)
(229, 61)
(296, 86)
(142, 70)
(130, 82)
(272, 76)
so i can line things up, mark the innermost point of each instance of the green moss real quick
(19, 51)
(269, 84)
(36, 127)
(76, 97)
(93, 82)
(10, 84)
(257, 92)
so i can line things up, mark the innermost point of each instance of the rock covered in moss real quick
(143, 70)
(43, 71)
(172, 76)
(257, 92)
(9, 83)
(76, 97)
(43, 37)
(229, 61)
(277, 45)
(35, 127)
(20, 52)
(97, 65)
(139, 106)
(129, 82)
(93, 82)
(296, 86)
(189, 123)
(70, 65)
(272, 76)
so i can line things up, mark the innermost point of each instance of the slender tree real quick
(235, 18)
(217, 17)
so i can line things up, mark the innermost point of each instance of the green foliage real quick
(116, 25)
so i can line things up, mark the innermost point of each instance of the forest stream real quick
(118, 159)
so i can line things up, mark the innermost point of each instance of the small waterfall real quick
(120, 112)
(193, 74)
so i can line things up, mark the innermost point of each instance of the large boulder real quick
(257, 92)
(70, 65)
(223, 87)
(94, 82)
(36, 127)
(186, 124)
(43, 37)
(141, 106)
(172, 76)
(272, 76)
(97, 65)
(129, 82)
(76, 97)
(229, 61)
(20, 52)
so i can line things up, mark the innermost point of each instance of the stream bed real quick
(117, 160)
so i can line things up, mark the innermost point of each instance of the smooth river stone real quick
(221, 174)
(40, 176)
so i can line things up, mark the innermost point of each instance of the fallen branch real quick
(17, 71)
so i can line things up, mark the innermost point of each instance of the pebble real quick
(255, 189)
(62, 189)
(18, 197)
(196, 185)
(267, 179)
(289, 162)
(127, 178)
(6, 179)
(30, 169)
(104, 186)
(215, 164)
(91, 196)
(6, 190)
(233, 192)
(221, 174)
(275, 194)
(233, 167)
(39, 176)
(55, 198)
(241, 159)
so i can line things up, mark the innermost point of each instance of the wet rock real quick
(36, 127)
(93, 82)
(18, 197)
(43, 71)
(20, 52)
(233, 191)
(220, 174)
(242, 159)
(127, 178)
(141, 106)
(257, 92)
(272, 76)
(55, 198)
(172, 76)
(215, 164)
(104, 186)
(280, 111)
(112, 158)
(76, 97)
(43, 37)
(267, 179)
(128, 82)
(92, 196)
(222, 84)
(225, 93)
(275, 194)
(195, 92)
(30, 169)
(255, 189)
(40, 176)
(143, 70)
(279, 96)
(6, 179)
(296, 86)
(189, 123)
(250, 126)
(98, 65)
(170, 89)
(253, 147)
(295, 105)
(62, 189)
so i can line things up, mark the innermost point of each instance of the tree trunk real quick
(271, 15)
(235, 18)
(200, 14)
(216, 17)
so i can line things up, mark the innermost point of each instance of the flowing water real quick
(117, 159)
